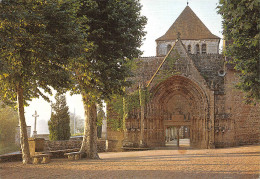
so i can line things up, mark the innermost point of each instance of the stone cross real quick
(35, 115)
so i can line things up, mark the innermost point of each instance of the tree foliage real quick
(241, 28)
(59, 124)
(37, 39)
(115, 30)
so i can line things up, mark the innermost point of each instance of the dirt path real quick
(239, 162)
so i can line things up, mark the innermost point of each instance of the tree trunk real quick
(89, 143)
(23, 126)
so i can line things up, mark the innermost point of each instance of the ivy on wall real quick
(122, 105)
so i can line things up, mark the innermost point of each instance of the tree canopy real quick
(37, 40)
(241, 29)
(115, 30)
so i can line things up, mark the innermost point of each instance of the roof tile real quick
(190, 27)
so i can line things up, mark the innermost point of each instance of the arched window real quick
(189, 48)
(169, 48)
(197, 49)
(204, 49)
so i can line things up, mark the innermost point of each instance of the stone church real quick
(191, 89)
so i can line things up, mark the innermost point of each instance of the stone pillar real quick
(142, 127)
(178, 136)
(35, 120)
(104, 128)
(142, 116)
(172, 133)
(211, 124)
(166, 134)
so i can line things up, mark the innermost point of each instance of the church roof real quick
(190, 27)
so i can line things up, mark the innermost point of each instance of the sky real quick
(160, 14)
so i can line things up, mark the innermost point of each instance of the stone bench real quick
(60, 153)
(41, 158)
(73, 155)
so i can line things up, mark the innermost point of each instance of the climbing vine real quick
(123, 104)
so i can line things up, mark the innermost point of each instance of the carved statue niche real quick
(187, 117)
(177, 111)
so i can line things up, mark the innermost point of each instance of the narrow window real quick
(189, 48)
(169, 48)
(204, 49)
(198, 49)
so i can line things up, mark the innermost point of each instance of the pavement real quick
(183, 143)
(170, 162)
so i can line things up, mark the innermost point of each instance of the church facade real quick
(191, 89)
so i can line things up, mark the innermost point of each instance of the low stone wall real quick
(45, 136)
(71, 144)
(11, 157)
(58, 149)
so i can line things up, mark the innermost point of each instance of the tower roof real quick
(190, 27)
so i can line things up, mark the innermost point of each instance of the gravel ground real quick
(229, 163)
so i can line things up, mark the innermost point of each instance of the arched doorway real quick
(179, 101)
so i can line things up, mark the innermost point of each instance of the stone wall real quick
(246, 117)
(71, 144)
(211, 67)
(45, 136)
(147, 66)
(224, 126)
(212, 46)
(236, 123)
